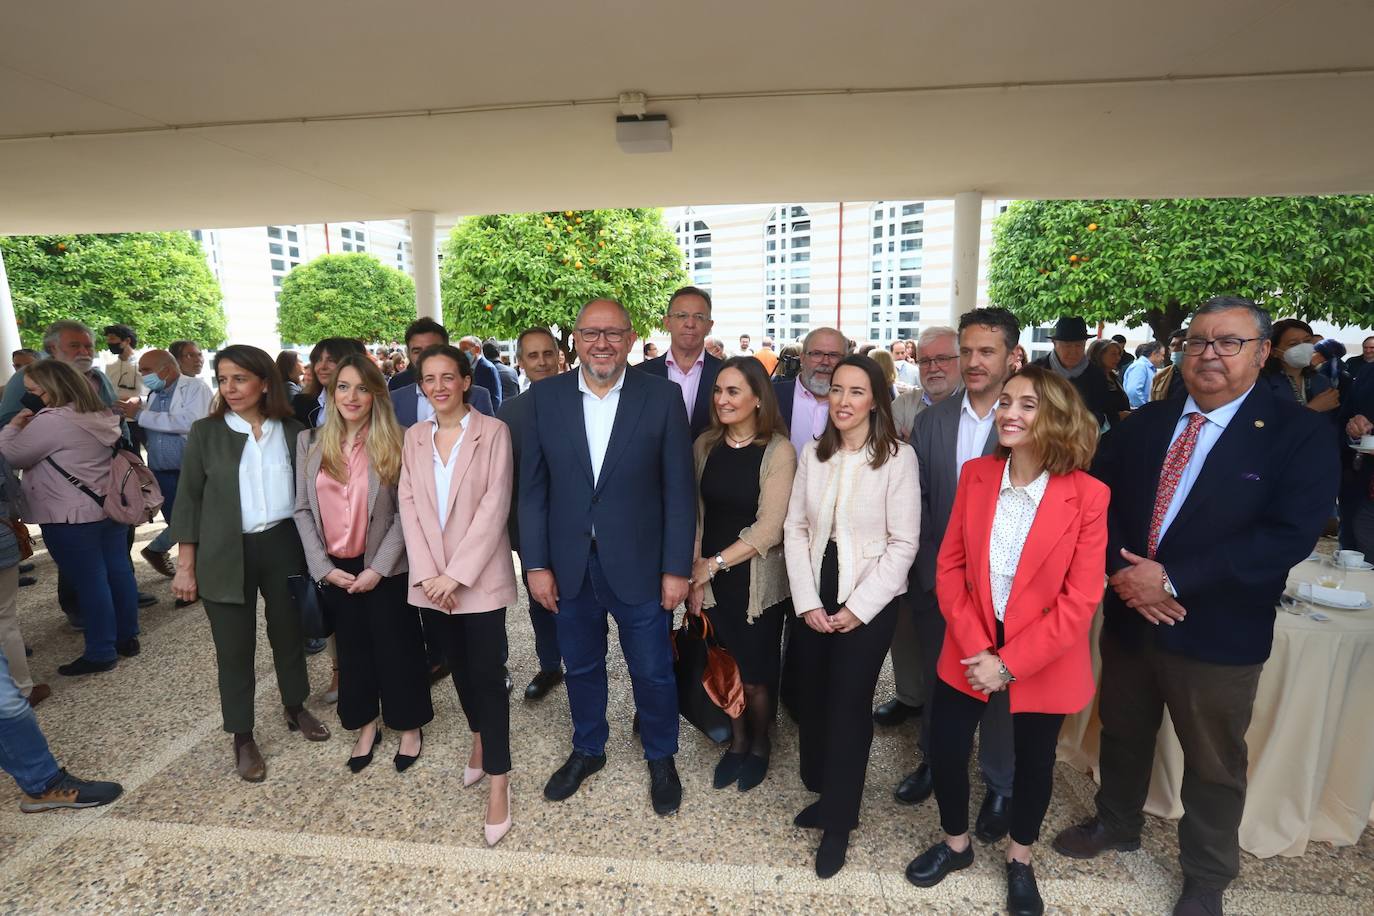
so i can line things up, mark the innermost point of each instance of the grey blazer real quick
(385, 552)
(936, 440)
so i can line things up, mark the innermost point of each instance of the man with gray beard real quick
(805, 401)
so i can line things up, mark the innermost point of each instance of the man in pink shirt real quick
(805, 401)
(687, 363)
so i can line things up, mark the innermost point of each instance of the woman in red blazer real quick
(1021, 571)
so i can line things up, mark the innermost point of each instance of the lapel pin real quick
(1259, 424)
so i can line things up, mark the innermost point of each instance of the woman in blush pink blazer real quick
(455, 489)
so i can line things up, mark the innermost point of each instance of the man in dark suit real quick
(536, 352)
(945, 436)
(1215, 497)
(688, 322)
(483, 372)
(510, 382)
(420, 334)
(607, 523)
(1069, 359)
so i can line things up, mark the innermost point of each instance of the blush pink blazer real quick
(473, 548)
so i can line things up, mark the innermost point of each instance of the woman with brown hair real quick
(745, 466)
(1106, 356)
(1022, 568)
(850, 539)
(233, 522)
(350, 527)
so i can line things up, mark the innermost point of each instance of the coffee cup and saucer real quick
(1365, 446)
(1350, 559)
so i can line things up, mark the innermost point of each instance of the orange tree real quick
(504, 273)
(1152, 261)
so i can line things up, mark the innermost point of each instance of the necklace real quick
(738, 443)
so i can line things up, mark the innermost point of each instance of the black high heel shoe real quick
(405, 761)
(358, 764)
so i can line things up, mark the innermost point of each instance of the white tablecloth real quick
(1311, 738)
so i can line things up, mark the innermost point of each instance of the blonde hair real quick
(1064, 433)
(64, 386)
(384, 434)
(889, 366)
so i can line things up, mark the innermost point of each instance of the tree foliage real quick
(345, 295)
(1153, 261)
(156, 282)
(502, 274)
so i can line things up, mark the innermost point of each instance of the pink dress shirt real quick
(343, 506)
(808, 417)
(688, 381)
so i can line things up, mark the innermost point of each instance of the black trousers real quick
(381, 653)
(837, 673)
(474, 646)
(1034, 735)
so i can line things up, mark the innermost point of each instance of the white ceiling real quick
(176, 114)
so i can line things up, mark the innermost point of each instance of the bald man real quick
(173, 403)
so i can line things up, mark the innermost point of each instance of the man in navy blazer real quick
(607, 526)
(406, 400)
(809, 393)
(687, 363)
(1201, 538)
(483, 372)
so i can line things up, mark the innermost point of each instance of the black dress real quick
(730, 501)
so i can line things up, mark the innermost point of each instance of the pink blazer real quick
(473, 548)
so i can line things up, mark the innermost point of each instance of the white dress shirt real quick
(267, 485)
(320, 417)
(443, 468)
(973, 433)
(1011, 525)
(1207, 437)
(598, 419)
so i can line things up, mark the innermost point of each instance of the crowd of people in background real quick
(823, 504)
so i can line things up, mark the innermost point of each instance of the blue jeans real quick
(24, 751)
(94, 558)
(545, 626)
(644, 638)
(167, 481)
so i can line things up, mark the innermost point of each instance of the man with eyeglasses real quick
(937, 362)
(805, 401)
(1215, 497)
(687, 363)
(608, 514)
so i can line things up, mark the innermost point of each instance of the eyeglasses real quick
(612, 335)
(1222, 346)
(940, 361)
(698, 317)
(829, 355)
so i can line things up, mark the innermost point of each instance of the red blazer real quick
(1058, 586)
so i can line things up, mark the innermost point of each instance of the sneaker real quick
(69, 792)
(162, 562)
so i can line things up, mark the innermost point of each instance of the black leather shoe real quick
(1197, 901)
(404, 762)
(894, 712)
(568, 778)
(808, 818)
(916, 787)
(315, 646)
(146, 600)
(994, 818)
(664, 787)
(82, 666)
(542, 683)
(181, 603)
(830, 855)
(359, 763)
(752, 773)
(930, 867)
(727, 771)
(510, 685)
(129, 647)
(26, 567)
(1023, 897)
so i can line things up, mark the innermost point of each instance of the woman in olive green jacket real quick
(234, 525)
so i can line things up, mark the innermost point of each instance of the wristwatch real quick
(1002, 671)
(721, 565)
(1168, 586)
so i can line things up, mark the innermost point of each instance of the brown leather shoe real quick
(162, 562)
(1089, 840)
(311, 729)
(250, 765)
(39, 693)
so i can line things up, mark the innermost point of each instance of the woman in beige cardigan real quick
(744, 465)
(850, 539)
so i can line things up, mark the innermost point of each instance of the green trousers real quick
(268, 558)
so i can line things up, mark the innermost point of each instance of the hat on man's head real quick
(1068, 329)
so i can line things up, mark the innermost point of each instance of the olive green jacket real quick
(208, 512)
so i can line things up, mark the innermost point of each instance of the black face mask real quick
(117, 349)
(32, 402)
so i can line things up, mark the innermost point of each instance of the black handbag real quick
(316, 622)
(691, 656)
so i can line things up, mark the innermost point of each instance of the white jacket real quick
(190, 402)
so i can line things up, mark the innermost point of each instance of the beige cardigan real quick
(877, 547)
(767, 572)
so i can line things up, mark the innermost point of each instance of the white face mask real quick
(1299, 356)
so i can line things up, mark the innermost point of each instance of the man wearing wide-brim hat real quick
(1070, 360)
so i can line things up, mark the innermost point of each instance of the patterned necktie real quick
(1174, 463)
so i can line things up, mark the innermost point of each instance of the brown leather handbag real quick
(721, 678)
(21, 534)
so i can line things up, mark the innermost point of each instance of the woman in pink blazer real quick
(1021, 571)
(456, 471)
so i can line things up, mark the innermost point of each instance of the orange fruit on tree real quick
(1092, 227)
(1073, 258)
(567, 213)
(488, 307)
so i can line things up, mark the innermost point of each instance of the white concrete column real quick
(968, 227)
(9, 328)
(427, 304)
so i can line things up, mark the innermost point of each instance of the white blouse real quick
(1011, 525)
(443, 469)
(267, 485)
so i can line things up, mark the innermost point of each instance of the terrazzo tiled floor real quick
(189, 836)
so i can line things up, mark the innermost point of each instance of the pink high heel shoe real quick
(496, 832)
(472, 777)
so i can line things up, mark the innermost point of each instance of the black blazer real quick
(510, 382)
(1103, 403)
(644, 506)
(484, 374)
(1254, 512)
(701, 410)
(307, 408)
(785, 391)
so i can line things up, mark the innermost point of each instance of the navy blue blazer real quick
(1254, 512)
(701, 409)
(406, 400)
(644, 506)
(786, 391)
(484, 375)
(514, 413)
